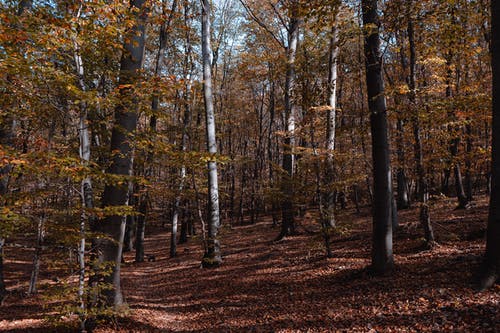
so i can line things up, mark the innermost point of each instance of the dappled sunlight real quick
(290, 285)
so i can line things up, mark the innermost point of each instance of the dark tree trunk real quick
(270, 155)
(184, 227)
(459, 186)
(491, 266)
(382, 259)
(287, 188)
(37, 256)
(468, 162)
(445, 182)
(355, 190)
(110, 248)
(403, 201)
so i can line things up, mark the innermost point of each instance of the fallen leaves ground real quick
(290, 286)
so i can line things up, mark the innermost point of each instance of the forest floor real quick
(290, 286)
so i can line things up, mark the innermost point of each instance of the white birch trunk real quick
(330, 126)
(86, 194)
(213, 256)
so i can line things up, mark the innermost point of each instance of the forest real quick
(249, 166)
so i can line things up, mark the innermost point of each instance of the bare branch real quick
(261, 24)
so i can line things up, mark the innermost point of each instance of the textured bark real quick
(329, 198)
(287, 188)
(212, 256)
(113, 227)
(382, 258)
(491, 266)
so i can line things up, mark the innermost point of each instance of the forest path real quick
(267, 286)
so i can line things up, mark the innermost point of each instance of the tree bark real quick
(184, 140)
(401, 178)
(491, 264)
(33, 288)
(212, 256)
(468, 161)
(329, 198)
(382, 258)
(87, 195)
(113, 227)
(287, 188)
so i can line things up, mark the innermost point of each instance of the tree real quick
(491, 266)
(212, 257)
(109, 247)
(7, 135)
(423, 185)
(382, 259)
(287, 191)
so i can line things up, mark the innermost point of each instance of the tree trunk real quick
(423, 187)
(37, 255)
(184, 138)
(329, 199)
(445, 183)
(287, 188)
(87, 195)
(3, 289)
(403, 201)
(178, 198)
(403, 196)
(453, 130)
(270, 155)
(463, 202)
(113, 227)
(468, 161)
(212, 256)
(491, 265)
(382, 259)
